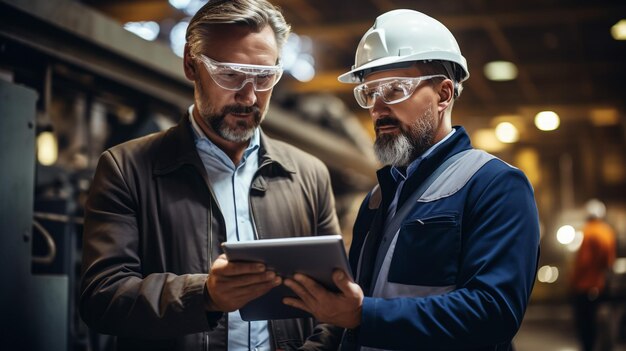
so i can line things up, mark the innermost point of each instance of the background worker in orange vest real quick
(593, 261)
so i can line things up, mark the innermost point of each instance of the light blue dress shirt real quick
(231, 185)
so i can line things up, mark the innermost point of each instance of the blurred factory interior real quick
(77, 77)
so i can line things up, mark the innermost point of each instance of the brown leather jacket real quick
(153, 228)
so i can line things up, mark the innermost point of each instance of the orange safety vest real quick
(594, 258)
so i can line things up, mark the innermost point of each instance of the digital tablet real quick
(315, 256)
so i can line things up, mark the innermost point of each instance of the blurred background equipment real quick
(32, 304)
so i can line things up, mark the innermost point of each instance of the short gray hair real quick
(253, 13)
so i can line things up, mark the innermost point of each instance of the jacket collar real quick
(272, 151)
(178, 148)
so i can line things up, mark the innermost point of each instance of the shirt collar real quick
(401, 173)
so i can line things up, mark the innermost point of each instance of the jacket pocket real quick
(427, 251)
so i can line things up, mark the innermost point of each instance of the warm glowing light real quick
(548, 274)
(47, 149)
(603, 117)
(506, 132)
(618, 31)
(527, 159)
(619, 266)
(500, 70)
(565, 235)
(486, 139)
(547, 120)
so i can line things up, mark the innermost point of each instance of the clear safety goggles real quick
(234, 76)
(391, 90)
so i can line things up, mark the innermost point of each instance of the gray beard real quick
(400, 150)
(395, 150)
(241, 133)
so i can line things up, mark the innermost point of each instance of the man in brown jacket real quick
(160, 205)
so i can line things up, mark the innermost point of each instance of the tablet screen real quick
(315, 256)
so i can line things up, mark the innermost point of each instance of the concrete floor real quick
(550, 327)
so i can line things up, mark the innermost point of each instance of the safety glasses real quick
(391, 90)
(234, 76)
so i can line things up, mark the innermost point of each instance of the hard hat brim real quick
(352, 77)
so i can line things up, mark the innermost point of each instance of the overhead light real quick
(190, 7)
(619, 266)
(47, 148)
(179, 4)
(618, 31)
(297, 58)
(486, 139)
(527, 159)
(548, 274)
(566, 234)
(500, 70)
(148, 30)
(547, 120)
(177, 38)
(303, 70)
(603, 117)
(506, 132)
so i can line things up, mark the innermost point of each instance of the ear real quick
(446, 93)
(189, 65)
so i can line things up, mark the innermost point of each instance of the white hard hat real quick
(403, 36)
(595, 208)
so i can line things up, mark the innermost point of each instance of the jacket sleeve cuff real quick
(195, 293)
(368, 320)
(211, 316)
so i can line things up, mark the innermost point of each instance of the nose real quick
(246, 95)
(379, 106)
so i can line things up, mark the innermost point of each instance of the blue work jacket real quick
(461, 269)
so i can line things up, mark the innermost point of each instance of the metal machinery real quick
(34, 307)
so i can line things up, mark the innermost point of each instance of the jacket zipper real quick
(210, 256)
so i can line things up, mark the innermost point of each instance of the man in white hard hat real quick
(445, 248)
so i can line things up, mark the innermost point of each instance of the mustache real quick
(386, 121)
(240, 109)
